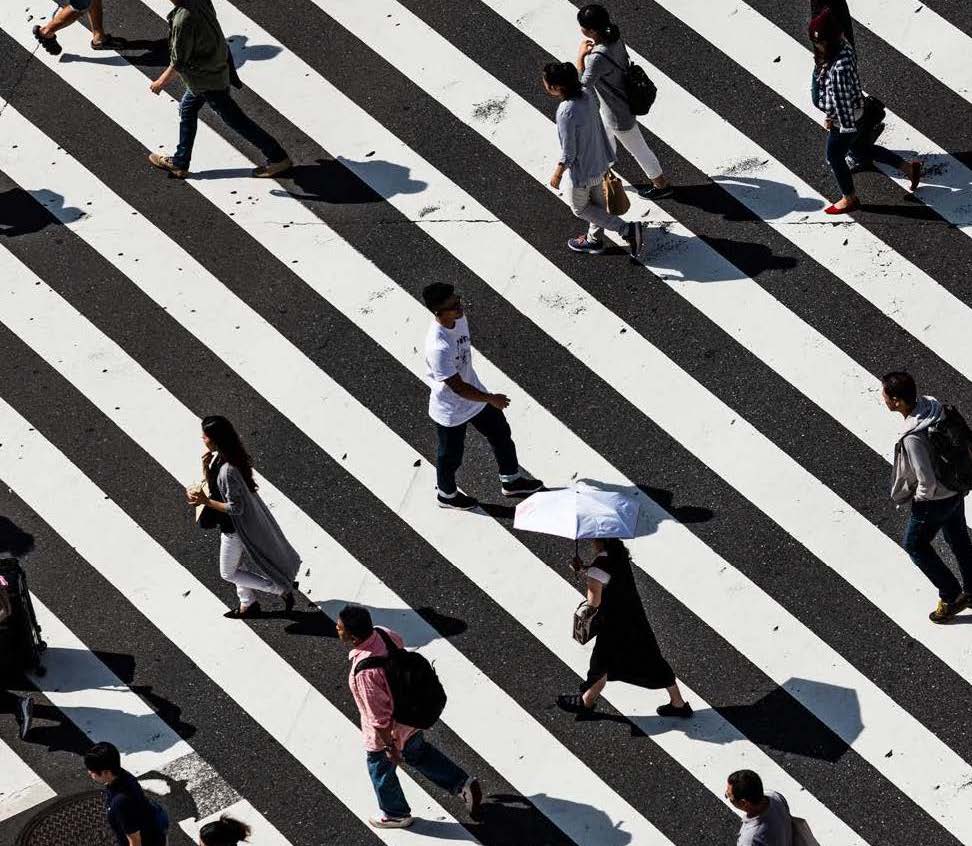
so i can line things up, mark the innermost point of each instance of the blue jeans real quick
(227, 108)
(926, 520)
(428, 760)
(491, 424)
(839, 144)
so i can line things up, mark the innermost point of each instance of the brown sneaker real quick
(272, 169)
(166, 163)
(946, 611)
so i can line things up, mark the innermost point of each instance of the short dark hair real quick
(563, 75)
(746, 786)
(356, 621)
(436, 294)
(103, 756)
(900, 385)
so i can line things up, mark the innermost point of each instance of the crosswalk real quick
(729, 381)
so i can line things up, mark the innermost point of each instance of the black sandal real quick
(251, 610)
(50, 43)
(573, 703)
(669, 710)
(109, 42)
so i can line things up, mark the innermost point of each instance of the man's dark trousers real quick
(491, 424)
(928, 517)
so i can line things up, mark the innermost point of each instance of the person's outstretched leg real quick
(236, 119)
(910, 168)
(391, 800)
(838, 143)
(97, 19)
(492, 424)
(65, 16)
(634, 142)
(956, 534)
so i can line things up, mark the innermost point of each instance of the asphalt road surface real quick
(728, 380)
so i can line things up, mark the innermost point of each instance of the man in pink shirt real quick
(388, 742)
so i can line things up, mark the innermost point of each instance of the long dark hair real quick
(223, 832)
(594, 16)
(616, 549)
(229, 446)
(563, 75)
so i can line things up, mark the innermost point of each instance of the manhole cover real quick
(70, 821)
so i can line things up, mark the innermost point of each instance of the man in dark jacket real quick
(198, 53)
(131, 816)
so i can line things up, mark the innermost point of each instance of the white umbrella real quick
(581, 511)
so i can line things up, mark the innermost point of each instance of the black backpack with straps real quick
(951, 450)
(639, 91)
(417, 695)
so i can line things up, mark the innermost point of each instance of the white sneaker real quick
(390, 822)
(472, 795)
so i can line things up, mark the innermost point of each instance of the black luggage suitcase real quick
(21, 644)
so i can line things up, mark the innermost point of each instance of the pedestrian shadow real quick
(419, 626)
(222, 173)
(509, 810)
(244, 52)
(25, 212)
(327, 181)
(154, 54)
(677, 257)
(345, 181)
(776, 721)
(751, 198)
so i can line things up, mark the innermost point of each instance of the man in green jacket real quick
(199, 54)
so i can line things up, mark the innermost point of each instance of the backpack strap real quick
(390, 645)
(608, 57)
(377, 661)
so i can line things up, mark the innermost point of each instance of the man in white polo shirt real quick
(458, 398)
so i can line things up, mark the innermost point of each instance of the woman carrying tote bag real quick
(251, 528)
(586, 153)
(625, 648)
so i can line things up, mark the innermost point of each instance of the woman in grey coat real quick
(246, 524)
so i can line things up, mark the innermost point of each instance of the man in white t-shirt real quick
(767, 821)
(459, 398)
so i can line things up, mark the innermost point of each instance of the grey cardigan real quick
(604, 71)
(265, 545)
(584, 146)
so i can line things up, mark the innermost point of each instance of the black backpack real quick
(951, 450)
(639, 91)
(417, 695)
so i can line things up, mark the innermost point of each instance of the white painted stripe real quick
(261, 832)
(902, 291)
(103, 372)
(530, 758)
(318, 735)
(103, 707)
(922, 35)
(771, 55)
(688, 265)
(20, 787)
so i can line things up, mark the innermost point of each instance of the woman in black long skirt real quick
(625, 648)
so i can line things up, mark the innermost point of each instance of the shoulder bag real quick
(615, 198)
(584, 622)
(639, 91)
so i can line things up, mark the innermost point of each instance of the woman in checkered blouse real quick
(837, 92)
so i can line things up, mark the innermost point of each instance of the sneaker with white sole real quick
(272, 169)
(521, 486)
(583, 244)
(472, 795)
(390, 822)
(634, 235)
(166, 163)
(459, 501)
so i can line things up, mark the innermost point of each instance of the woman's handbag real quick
(615, 199)
(206, 517)
(584, 619)
(802, 836)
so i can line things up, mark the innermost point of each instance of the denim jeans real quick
(839, 144)
(926, 520)
(491, 424)
(428, 760)
(227, 108)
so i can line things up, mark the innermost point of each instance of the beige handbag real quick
(584, 623)
(615, 198)
(802, 836)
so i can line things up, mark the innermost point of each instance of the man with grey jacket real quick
(934, 507)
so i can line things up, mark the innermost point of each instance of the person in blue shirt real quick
(134, 820)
